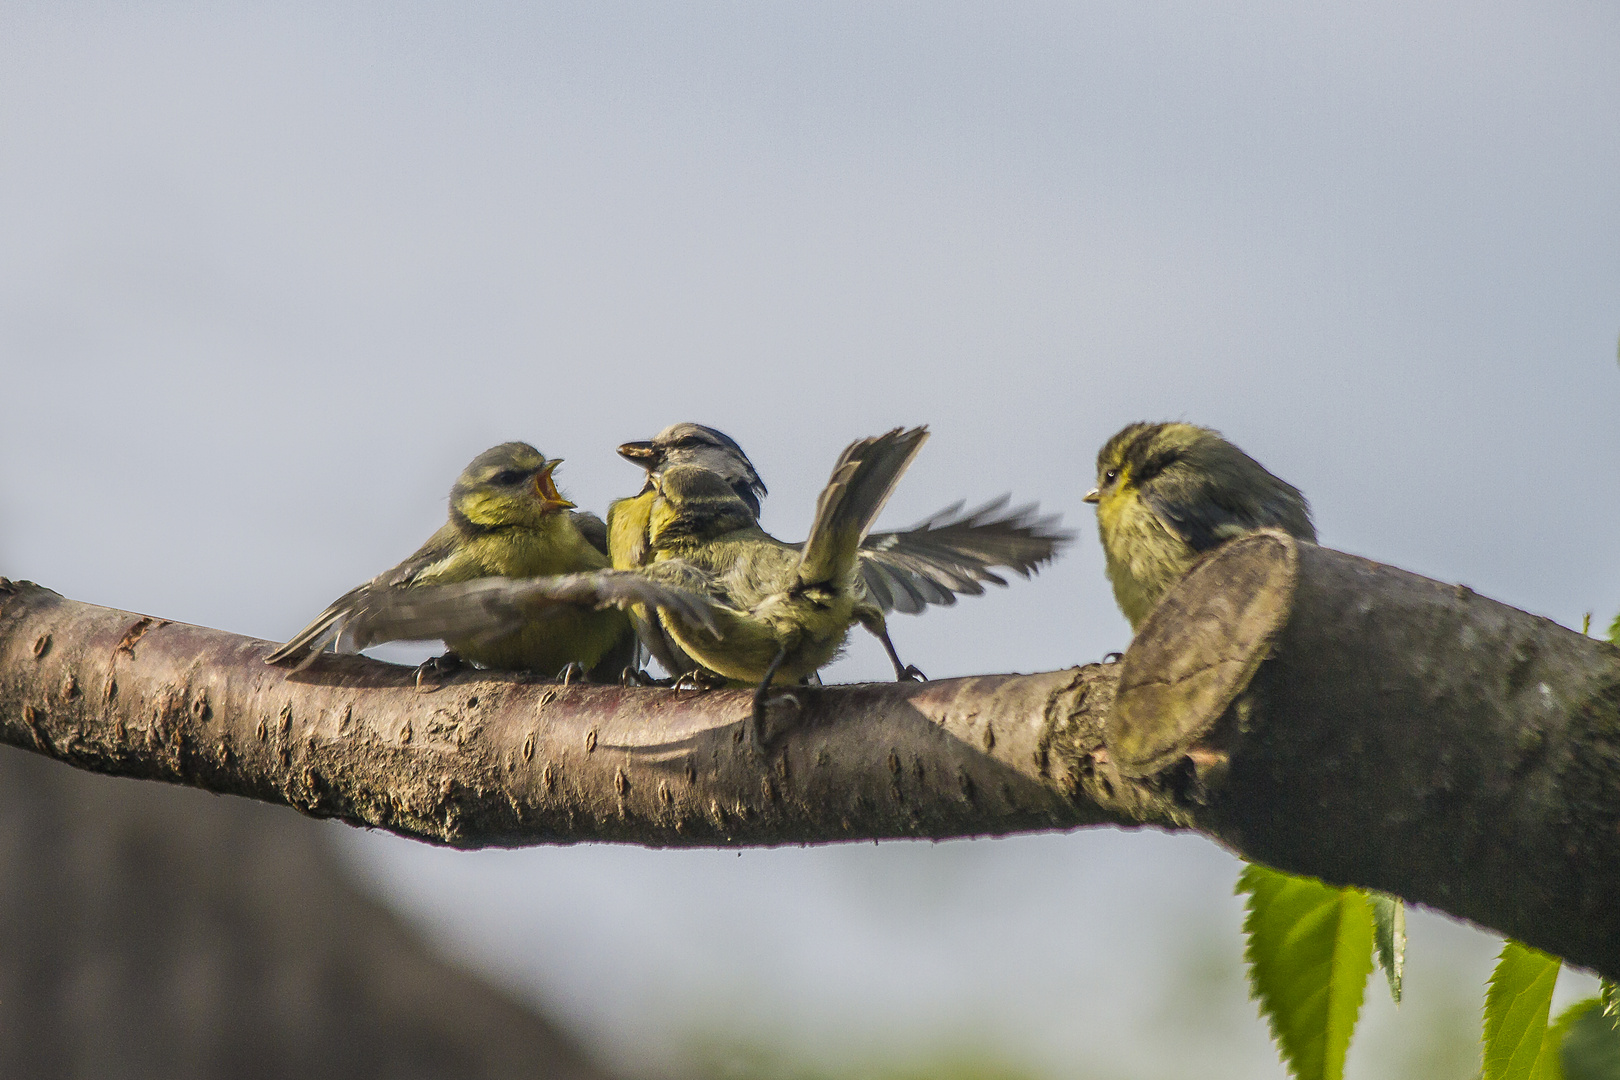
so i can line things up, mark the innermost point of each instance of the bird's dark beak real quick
(644, 454)
(546, 488)
(1092, 496)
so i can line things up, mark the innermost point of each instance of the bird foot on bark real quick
(439, 666)
(697, 679)
(634, 676)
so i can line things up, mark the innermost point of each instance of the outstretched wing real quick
(861, 482)
(953, 553)
(432, 559)
(323, 629)
(489, 608)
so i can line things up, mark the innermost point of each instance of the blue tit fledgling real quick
(1166, 493)
(948, 554)
(778, 610)
(705, 447)
(507, 519)
(678, 444)
(627, 519)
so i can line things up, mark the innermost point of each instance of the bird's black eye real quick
(1110, 476)
(508, 477)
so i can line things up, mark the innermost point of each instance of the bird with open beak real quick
(507, 519)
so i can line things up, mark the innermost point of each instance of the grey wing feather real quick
(492, 607)
(659, 645)
(625, 589)
(322, 631)
(1205, 513)
(861, 482)
(326, 628)
(952, 553)
(684, 576)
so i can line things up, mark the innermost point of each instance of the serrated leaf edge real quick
(1389, 938)
(1265, 885)
(1530, 1004)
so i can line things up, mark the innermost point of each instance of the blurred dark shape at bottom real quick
(152, 931)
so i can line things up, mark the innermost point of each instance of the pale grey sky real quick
(271, 273)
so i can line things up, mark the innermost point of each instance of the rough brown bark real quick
(1309, 709)
(1421, 739)
(1401, 735)
(498, 759)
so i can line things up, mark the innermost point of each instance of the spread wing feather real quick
(862, 481)
(482, 609)
(952, 553)
(426, 561)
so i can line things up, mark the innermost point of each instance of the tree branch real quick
(491, 758)
(1312, 710)
(1400, 734)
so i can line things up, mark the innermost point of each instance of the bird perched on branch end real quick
(1167, 493)
(507, 519)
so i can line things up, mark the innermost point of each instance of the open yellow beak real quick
(1092, 496)
(546, 488)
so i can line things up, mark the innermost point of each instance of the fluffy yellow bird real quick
(507, 519)
(950, 553)
(782, 609)
(741, 603)
(1167, 493)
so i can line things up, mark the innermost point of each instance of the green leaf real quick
(1389, 938)
(1516, 1006)
(1614, 630)
(1587, 1042)
(1609, 995)
(1309, 952)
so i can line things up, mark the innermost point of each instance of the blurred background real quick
(270, 274)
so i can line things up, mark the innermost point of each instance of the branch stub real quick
(1199, 648)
